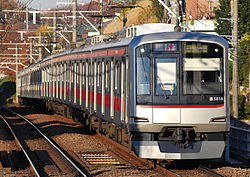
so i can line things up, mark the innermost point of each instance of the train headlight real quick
(138, 119)
(219, 119)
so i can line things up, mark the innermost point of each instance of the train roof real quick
(139, 40)
(177, 36)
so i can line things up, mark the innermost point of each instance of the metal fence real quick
(240, 143)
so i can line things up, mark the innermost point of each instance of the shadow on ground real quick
(7, 90)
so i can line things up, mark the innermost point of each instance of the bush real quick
(243, 106)
(7, 90)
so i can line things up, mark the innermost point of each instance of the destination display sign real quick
(165, 47)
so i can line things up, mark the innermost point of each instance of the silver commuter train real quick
(165, 95)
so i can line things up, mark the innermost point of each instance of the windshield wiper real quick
(163, 90)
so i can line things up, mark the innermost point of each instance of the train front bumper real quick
(169, 150)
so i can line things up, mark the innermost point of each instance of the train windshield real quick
(179, 72)
(202, 68)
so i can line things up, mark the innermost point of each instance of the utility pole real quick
(74, 22)
(165, 13)
(235, 82)
(40, 46)
(173, 15)
(16, 69)
(54, 29)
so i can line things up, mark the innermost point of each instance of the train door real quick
(165, 86)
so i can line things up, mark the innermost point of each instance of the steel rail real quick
(209, 171)
(52, 144)
(131, 155)
(19, 144)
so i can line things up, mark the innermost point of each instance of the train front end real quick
(179, 96)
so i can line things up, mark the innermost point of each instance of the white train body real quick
(168, 91)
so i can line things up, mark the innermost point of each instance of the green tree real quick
(223, 27)
(244, 59)
(157, 8)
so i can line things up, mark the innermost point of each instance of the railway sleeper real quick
(109, 129)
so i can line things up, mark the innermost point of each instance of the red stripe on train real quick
(181, 106)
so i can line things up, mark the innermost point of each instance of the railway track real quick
(209, 171)
(110, 158)
(135, 161)
(194, 169)
(44, 156)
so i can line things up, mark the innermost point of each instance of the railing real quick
(240, 143)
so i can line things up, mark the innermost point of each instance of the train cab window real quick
(143, 76)
(202, 68)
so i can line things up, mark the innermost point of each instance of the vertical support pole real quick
(235, 84)
(54, 29)
(74, 23)
(16, 74)
(31, 50)
(40, 46)
(165, 12)
(27, 20)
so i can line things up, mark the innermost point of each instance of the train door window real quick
(95, 84)
(108, 75)
(80, 82)
(103, 85)
(68, 79)
(100, 76)
(58, 80)
(54, 86)
(77, 75)
(112, 83)
(65, 80)
(166, 74)
(97, 75)
(118, 77)
(45, 81)
(87, 83)
(49, 81)
(83, 74)
(75, 81)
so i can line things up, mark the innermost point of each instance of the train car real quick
(164, 94)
